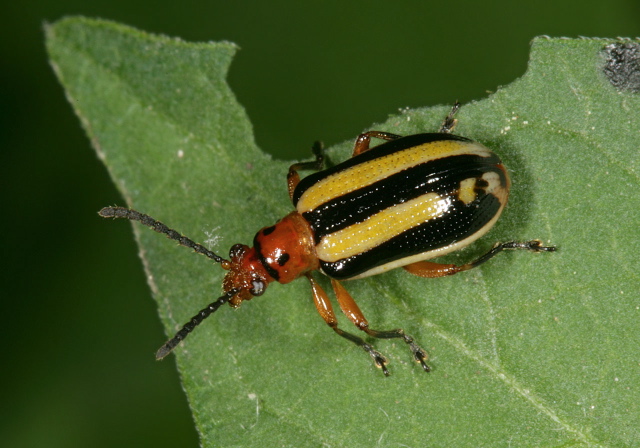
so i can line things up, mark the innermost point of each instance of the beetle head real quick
(246, 274)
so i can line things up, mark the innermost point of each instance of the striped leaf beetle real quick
(397, 204)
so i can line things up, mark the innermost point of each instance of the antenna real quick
(133, 215)
(193, 323)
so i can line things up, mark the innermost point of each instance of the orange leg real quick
(362, 145)
(363, 140)
(427, 269)
(293, 178)
(353, 312)
(325, 309)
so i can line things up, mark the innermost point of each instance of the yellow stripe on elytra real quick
(382, 226)
(467, 192)
(366, 173)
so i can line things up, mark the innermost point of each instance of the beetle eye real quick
(257, 287)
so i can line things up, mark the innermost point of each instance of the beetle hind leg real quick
(428, 269)
(532, 246)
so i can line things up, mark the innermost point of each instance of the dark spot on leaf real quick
(622, 65)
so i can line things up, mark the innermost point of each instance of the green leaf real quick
(528, 350)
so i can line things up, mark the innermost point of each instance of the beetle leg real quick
(449, 121)
(293, 178)
(533, 246)
(363, 140)
(428, 269)
(325, 309)
(351, 309)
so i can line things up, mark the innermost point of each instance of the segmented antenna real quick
(133, 215)
(193, 323)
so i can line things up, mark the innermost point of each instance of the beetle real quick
(397, 204)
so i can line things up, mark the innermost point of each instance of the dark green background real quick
(79, 328)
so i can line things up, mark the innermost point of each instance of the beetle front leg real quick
(351, 309)
(325, 310)
(293, 178)
(428, 269)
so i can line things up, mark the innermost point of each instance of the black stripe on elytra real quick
(442, 176)
(381, 150)
(461, 222)
(272, 272)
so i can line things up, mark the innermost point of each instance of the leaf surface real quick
(528, 350)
